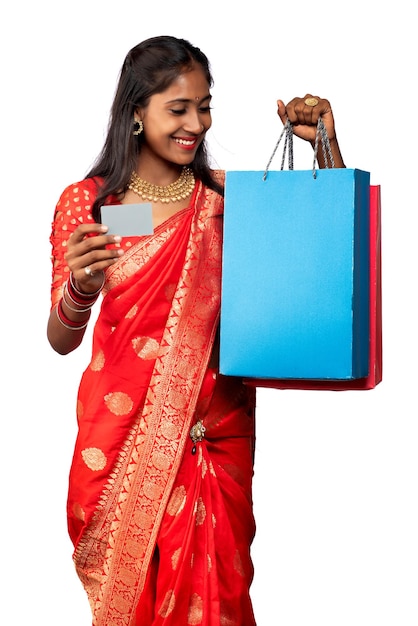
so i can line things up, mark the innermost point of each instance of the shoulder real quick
(81, 193)
(219, 176)
(211, 203)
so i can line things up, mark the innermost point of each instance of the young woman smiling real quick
(160, 502)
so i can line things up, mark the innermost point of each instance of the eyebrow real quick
(185, 100)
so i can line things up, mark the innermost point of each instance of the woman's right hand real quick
(89, 252)
(88, 256)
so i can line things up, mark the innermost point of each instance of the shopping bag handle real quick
(287, 132)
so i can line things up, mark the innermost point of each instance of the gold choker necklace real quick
(179, 190)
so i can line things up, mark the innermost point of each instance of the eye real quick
(178, 111)
(205, 109)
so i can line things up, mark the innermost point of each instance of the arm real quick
(304, 119)
(87, 257)
(77, 244)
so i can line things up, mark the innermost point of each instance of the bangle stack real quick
(83, 304)
(65, 321)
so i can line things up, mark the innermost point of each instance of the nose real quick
(193, 123)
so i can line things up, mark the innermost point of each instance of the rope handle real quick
(321, 132)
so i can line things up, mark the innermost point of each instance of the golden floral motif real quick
(127, 577)
(160, 460)
(196, 340)
(121, 604)
(175, 558)
(204, 467)
(228, 620)
(142, 519)
(118, 403)
(177, 501)
(132, 312)
(146, 347)
(195, 615)
(238, 567)
(169, 430)
(168, 604)
(212, 469)
(169, 291)
(134, 549)
(98, 361)
(176, 399)
(80, 409)
(200, 512)
(94, 458)
(78, 511)
(151, 490)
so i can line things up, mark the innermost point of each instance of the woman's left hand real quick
(303, 114)
(304, 117)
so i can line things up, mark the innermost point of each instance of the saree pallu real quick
(162, 535)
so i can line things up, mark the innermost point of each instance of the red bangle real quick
(65, 321)
(81, 298)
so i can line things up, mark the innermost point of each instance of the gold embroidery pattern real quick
(177, 501)
(94, 458)
(98, 362)
(200, 512)
(172, 396)
(238, 564)
(228, 620)
(78, 511)
(195, 615)
(118, 403)
(128, 265)
(175, 558)
(132, 312)
(145, 347)
(168, 604)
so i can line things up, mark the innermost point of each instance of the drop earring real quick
(138, 127)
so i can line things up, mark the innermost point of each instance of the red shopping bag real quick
(375, 343)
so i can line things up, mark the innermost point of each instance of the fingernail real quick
(117, 238)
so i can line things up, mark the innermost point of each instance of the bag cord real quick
(321, 133)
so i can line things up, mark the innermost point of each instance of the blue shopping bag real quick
(295, 279)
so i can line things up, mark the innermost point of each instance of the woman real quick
(159, 504)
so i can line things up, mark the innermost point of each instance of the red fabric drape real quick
(161, 535)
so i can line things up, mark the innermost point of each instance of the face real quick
(176, 120)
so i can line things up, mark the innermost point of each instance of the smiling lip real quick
(186, 143)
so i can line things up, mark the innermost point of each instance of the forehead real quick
(191, 85)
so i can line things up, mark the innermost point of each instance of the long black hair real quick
(149, 68)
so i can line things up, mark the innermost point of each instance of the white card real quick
(128, 220)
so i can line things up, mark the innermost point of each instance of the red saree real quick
(162, 535)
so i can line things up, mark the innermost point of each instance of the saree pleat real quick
(203, 544)
(162, 535)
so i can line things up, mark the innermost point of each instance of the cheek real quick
(207, 122)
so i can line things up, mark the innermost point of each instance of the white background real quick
(336, 473)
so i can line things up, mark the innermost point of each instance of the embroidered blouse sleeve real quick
(73, 208)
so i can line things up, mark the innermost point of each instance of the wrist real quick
(82, 297)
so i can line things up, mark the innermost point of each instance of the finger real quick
(306, 110)
(78, 249)
(99, 257)
(87, 229)
(281, 111)
(88, 270)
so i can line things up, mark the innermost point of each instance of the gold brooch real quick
(197, 433)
